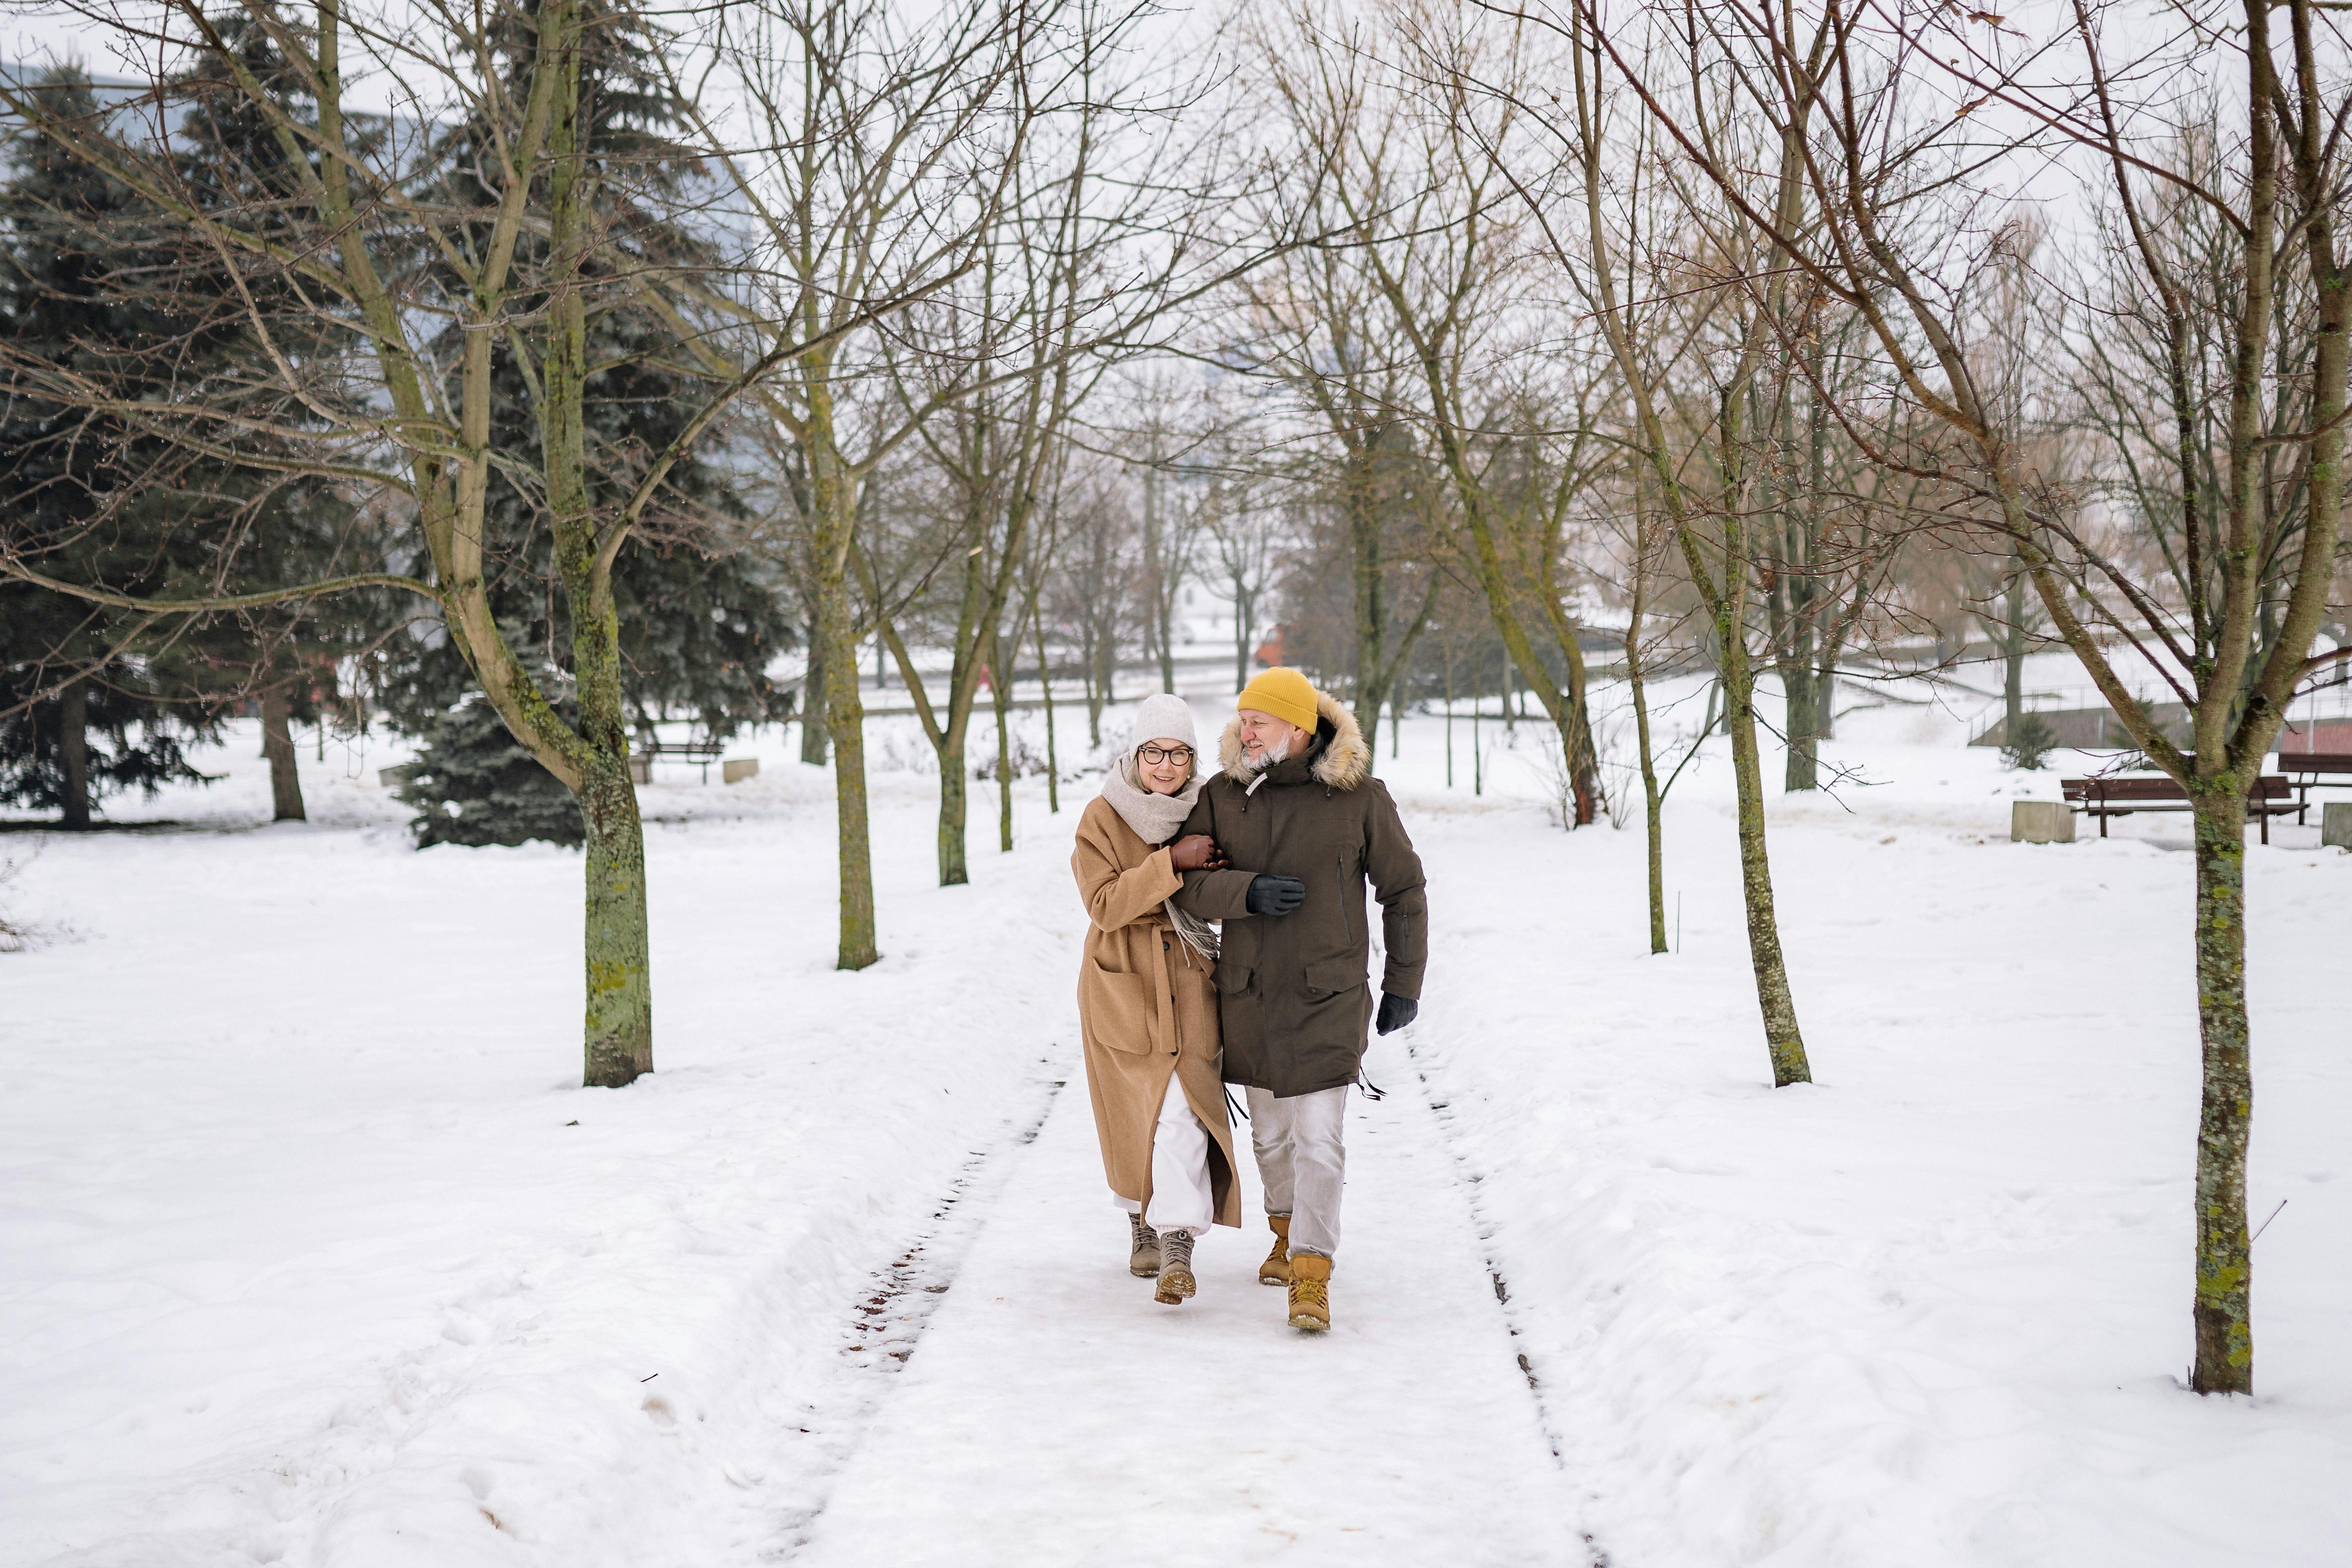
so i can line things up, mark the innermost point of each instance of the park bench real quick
(2120, 796)
(2315, 770)
(700, 753)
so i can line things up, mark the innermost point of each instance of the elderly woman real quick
(1147, 1005)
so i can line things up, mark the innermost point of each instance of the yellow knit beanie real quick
(1284, 693)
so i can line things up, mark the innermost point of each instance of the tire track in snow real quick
(1471, 1180)
(885, 1325)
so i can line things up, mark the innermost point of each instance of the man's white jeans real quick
(1180, 1199)
(1302, 1162)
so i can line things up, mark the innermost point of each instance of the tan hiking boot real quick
(1310, 1292)
(1143, 1248)
(1175, 1267)
(1275, 1269)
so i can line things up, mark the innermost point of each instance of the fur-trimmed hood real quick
(1344, 760)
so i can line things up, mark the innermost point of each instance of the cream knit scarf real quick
(1155, 819)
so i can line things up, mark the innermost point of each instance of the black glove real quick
(1274, 895)
(1396, 1012)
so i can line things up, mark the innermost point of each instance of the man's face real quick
(1266, 738)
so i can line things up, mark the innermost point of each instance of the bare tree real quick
(467, 235)
(1243, 532)
(867, 154)
(1899, 152)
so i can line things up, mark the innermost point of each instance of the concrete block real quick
(392, 778)
(641, 769)
(2335, 822)
(2041, 822)
(735, 770)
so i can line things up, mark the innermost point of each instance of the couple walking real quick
(1230, 945)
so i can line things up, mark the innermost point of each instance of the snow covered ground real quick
(310, 1252)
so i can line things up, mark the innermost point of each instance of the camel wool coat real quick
(1146, 1008)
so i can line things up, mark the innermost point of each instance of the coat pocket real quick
(1233, 979)
(1334, 976)
(1117, 1010)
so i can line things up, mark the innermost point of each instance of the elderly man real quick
(1297, 803)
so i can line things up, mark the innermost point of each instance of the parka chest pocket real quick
(1233, 979)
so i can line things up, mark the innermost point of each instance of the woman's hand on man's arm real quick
(1196, 852)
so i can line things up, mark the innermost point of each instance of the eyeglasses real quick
(1157, 755)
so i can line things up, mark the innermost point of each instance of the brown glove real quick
(1196, 852)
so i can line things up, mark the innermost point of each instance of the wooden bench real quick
(692, 753)
(2120, 796)
(2315, 770)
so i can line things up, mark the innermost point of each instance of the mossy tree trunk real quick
(1800, 692)
(955, 809)
(1782, 1038)
(619, 1024)
(1722, 584)
(2223, 1312)
(814, 750)
(834, 505)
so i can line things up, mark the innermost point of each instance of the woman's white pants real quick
(1180, 1199)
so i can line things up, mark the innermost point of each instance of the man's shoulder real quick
(1377, 799)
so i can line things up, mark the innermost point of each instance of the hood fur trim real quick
(1345, 761)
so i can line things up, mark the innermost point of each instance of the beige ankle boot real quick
(1275, 1269)
(1143, 1247)
(1310, 1292)
(1176, 1281)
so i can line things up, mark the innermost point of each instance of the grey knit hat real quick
(1163, 718)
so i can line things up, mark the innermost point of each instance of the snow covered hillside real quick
(311, 1253)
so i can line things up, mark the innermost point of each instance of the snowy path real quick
(1053, 1414)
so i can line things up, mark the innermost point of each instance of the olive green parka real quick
(1292, 992)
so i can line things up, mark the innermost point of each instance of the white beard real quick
(1272, 753)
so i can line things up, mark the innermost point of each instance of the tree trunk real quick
(955, 780)
(1637, 681)
(620, 1025)
(1584, 766)
(813, 738)
(1053, 760)
(1103, 692)
(1803, 721)
(278, 745)
(2224, 1307)
(1368, 555)
(1242, 617)
(73, 752)
(2013, 672)
(1781, 1037)
(844, 713)
(1094, 700)
(1000, 691)
(1449, 723)
(618, 1043)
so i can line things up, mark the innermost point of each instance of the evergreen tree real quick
(476, 784)
(700, 624)
(100, 289)
(290, 656)
(85, 701)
